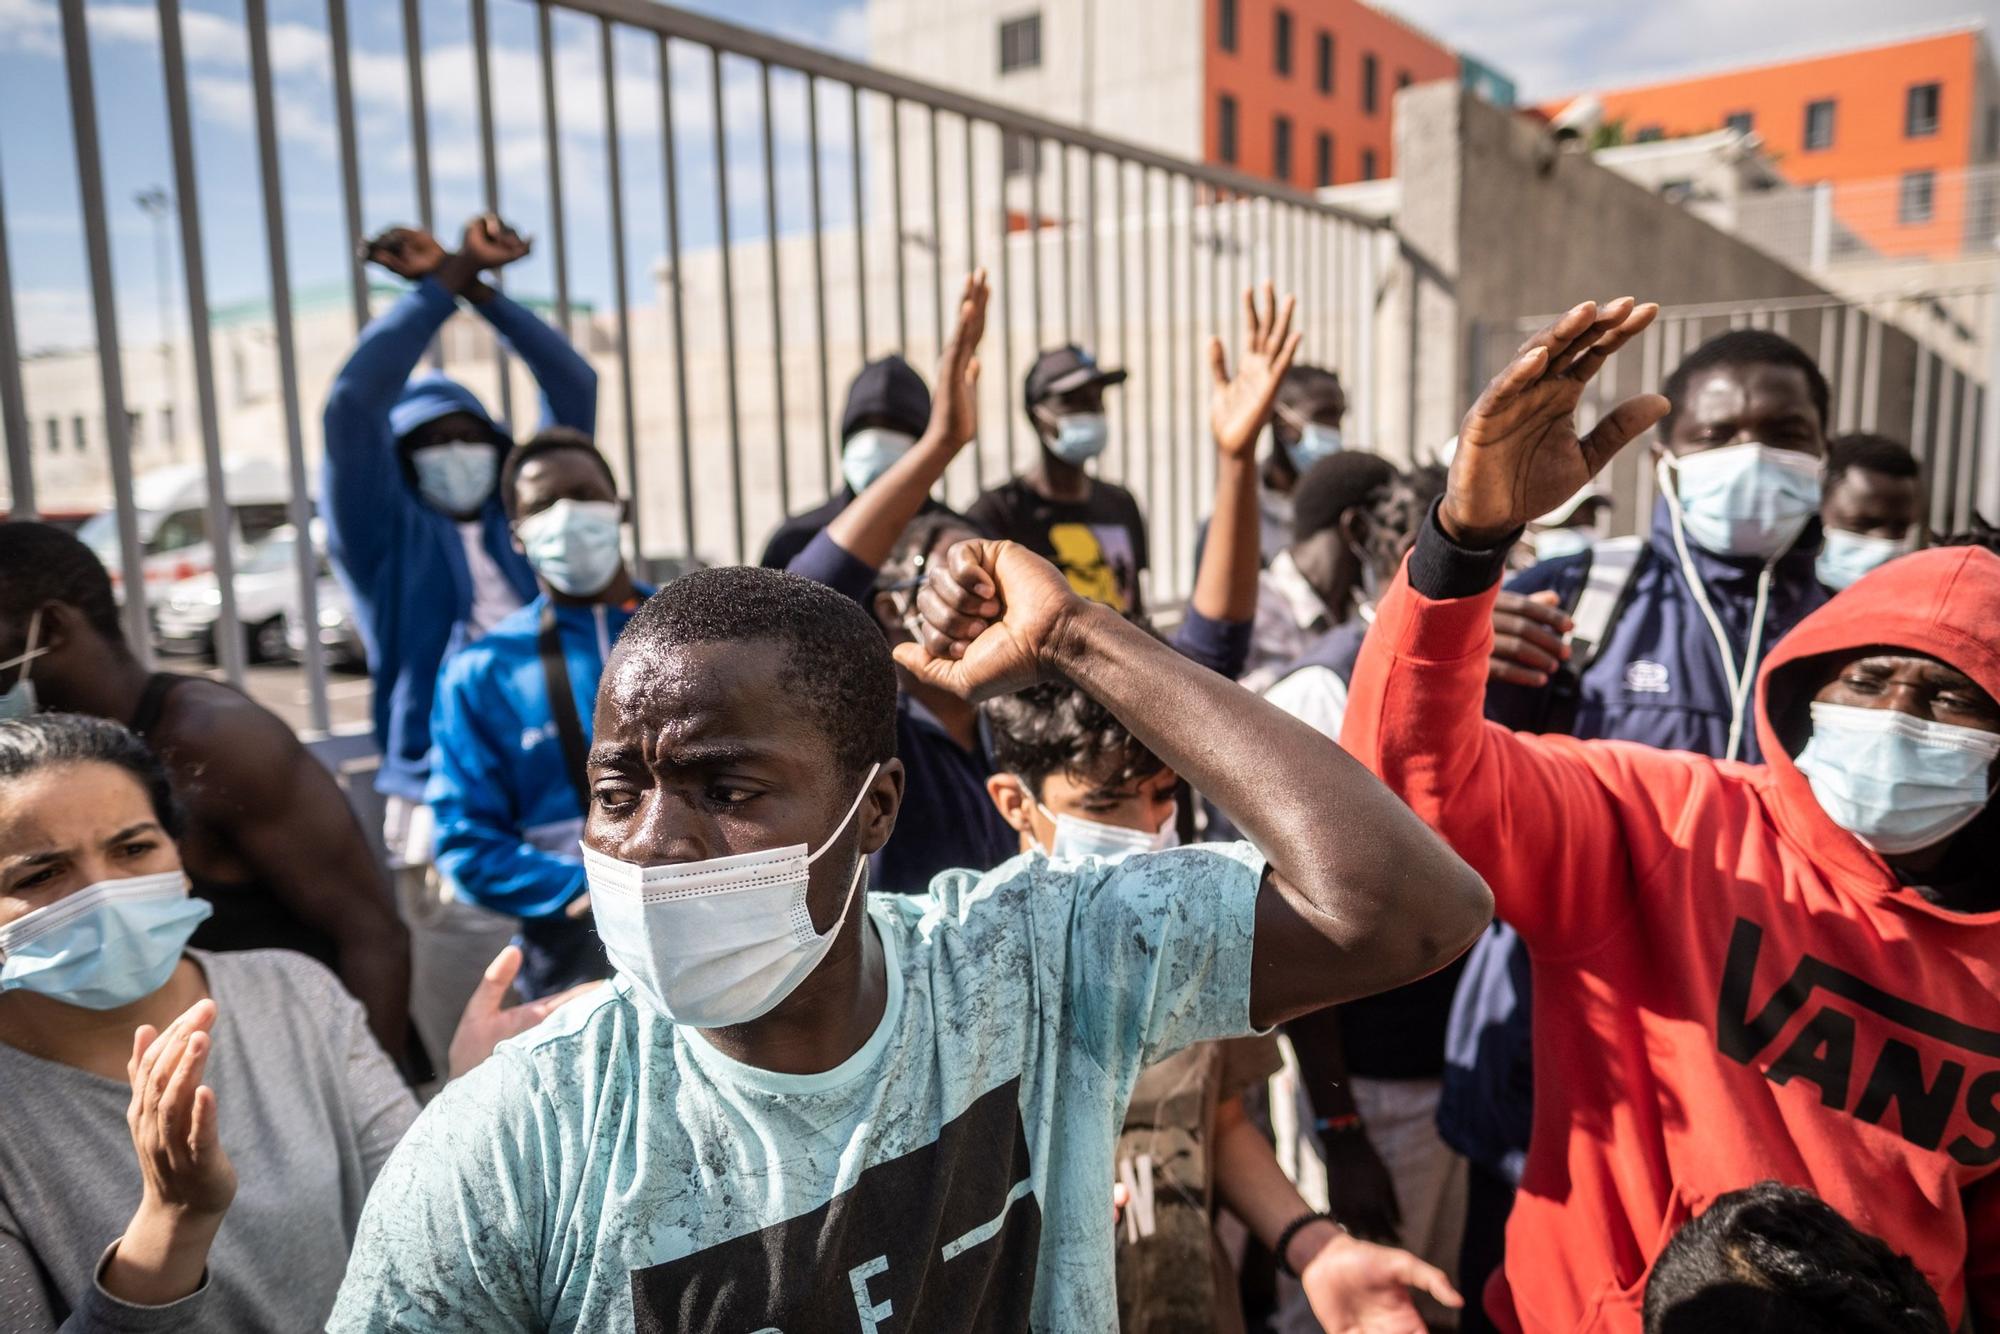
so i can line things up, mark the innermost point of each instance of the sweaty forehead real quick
(723, 690)
(1739, 392)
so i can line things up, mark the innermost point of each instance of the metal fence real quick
(1135, 252)
(1913, 366)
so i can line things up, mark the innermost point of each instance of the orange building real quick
(1299, 90)
(1895, 129)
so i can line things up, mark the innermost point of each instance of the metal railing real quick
(724, 416)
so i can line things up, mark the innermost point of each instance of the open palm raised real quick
(1239, 405)
(1519, 455)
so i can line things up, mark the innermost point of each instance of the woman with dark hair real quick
(117, 1041)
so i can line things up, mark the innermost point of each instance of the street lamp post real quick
(156, 204)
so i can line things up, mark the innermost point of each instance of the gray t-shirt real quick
(310, 1108)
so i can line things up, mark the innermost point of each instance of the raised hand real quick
(955, 404)
(1239, 405)
(990, 616)
(172, 1116)
(1356, 1287)
(485, 1024)
(407, 252)
(1518, 451)
(489, 243)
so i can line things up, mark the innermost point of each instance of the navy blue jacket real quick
(1657, 680)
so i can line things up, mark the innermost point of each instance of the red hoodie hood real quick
(1944, 602)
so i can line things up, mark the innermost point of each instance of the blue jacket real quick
(508, 819)
(1657, 680)
(401, 560)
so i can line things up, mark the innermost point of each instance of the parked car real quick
(339, 632)
(267, 586)
(172, 515)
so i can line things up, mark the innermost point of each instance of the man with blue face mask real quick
(1090, 528)
(1873, 509)
(511, 724)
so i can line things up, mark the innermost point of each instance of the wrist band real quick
(1334, 1125)
(1292, 1230)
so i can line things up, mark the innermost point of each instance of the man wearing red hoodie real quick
(1741, 972)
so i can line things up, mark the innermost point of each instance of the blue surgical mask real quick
(1555, 543)
(458, 477)
(1080, 437)
(869, 453)
(1847, 556)
(1316, 441)
(18, 700)
(1897, 782)
(1076, 837)
(573, 545)
(1742, 500)
(106, 945)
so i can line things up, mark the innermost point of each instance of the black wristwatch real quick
(1292, 1229)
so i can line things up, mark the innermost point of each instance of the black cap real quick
(1064, 369)
(890, 392)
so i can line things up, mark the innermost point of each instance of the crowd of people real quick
(905, 933)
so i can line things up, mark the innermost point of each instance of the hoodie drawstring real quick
(1738, 679)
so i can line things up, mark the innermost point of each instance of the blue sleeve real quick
(825, 561)
(362, 480)
(1221, 646)
(569, 385)
(1526, 708)
(478, 812)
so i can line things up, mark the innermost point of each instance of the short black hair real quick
(40, 563)
(1870, 453)
(1053, 727)
(44, 740)
(1427, 482)
(1336, 485)
(1302, 382)
(906, 560)
(836, 660)
(1745, 347)
(1774, 1259)
(1979, 534)
(547, 441)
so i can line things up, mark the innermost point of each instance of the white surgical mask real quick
(573, 544)
(1896, 782)
(1742, 500)
(104, 946)
(18, 700)
(458, 477)
(1847, 556)
(1316, 442)
(1080, 437)
(1076, 837)
(1555, 543)
(869, 453)
(717, 942)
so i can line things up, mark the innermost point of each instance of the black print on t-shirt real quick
(941, 1239)
(1926, 1087)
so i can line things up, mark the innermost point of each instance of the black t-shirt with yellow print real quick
(1099, 543)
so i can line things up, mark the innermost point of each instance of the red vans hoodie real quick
(1728, 987)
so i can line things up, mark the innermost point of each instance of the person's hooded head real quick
(1880, 718)
(449, 448)
(888, 407)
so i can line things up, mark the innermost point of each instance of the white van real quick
(172, 505)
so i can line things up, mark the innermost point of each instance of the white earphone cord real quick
(1737, 679)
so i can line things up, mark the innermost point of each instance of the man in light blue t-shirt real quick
(786, 1114)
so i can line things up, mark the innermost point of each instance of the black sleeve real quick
(1441, 569)
(990, 514)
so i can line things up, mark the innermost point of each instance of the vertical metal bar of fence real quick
(1829, 335)
(1989, 433)
(13, 403)
(420, 137)
(1200, 461)
(828, 448)
(614, 182)
(1850, 365)
(1119, 216)
(350, 167)
(1962, 458)
(1940, 463)
(937, 235)
(777, 291)
(1034, 235)
(552, 150)
(221, 526)
(1091, 276)
(1871, 375)
(670, 187)
(720, 141)
(489, 170)
(1920, 409)
(1361, 397)
(971, 263)
(1151, 443)
(104, 311)
(305, 555)
(860, 216)
(896, 224)
(1165, 525)
(1063, 238)
(1006, 295)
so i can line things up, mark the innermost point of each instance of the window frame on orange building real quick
(1368, 165)
(1905, 215)
(1281, 148)
(1282, 32)
(1371, 84)
(1228, 129)
(1323, 56)
(1910, 128)
(1323, 169)
(1832, 108)
(1227, 24)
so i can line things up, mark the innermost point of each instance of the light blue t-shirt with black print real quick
(611, 1170)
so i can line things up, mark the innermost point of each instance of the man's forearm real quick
(375, 969)
(1225, 587)
(867, 529)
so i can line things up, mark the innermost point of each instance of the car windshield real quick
(100, 532)
(271, 555)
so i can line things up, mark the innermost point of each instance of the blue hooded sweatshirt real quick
(402, 561)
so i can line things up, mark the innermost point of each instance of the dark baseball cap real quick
(890, 392)
(1064, 369)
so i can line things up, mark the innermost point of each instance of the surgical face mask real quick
(573, 545)
(1896, 782)
(869, 453)
(717, 942)
(104, 946)
(1076, 837)
(456, 478)
(1555, 543)
(1316, 442)
(1847, 556)
(1743, 500)
(18, 700)
(1080, 437)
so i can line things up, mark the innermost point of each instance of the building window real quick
(76, 435)
(1281, 42)
(1915, 202)
(1402, 79)
(1323, 160)
(1225, 128)
(1323, 65)
(1021, 43)
(1743, 122)
(1020, 154)
(1649, 134)
(1920, 110)
(1225, 24)
(167, 437)
(55, 436)
(1371, 78)
(1993, 132)
(1281, 148)
(1819, 125)
(1367, 164)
